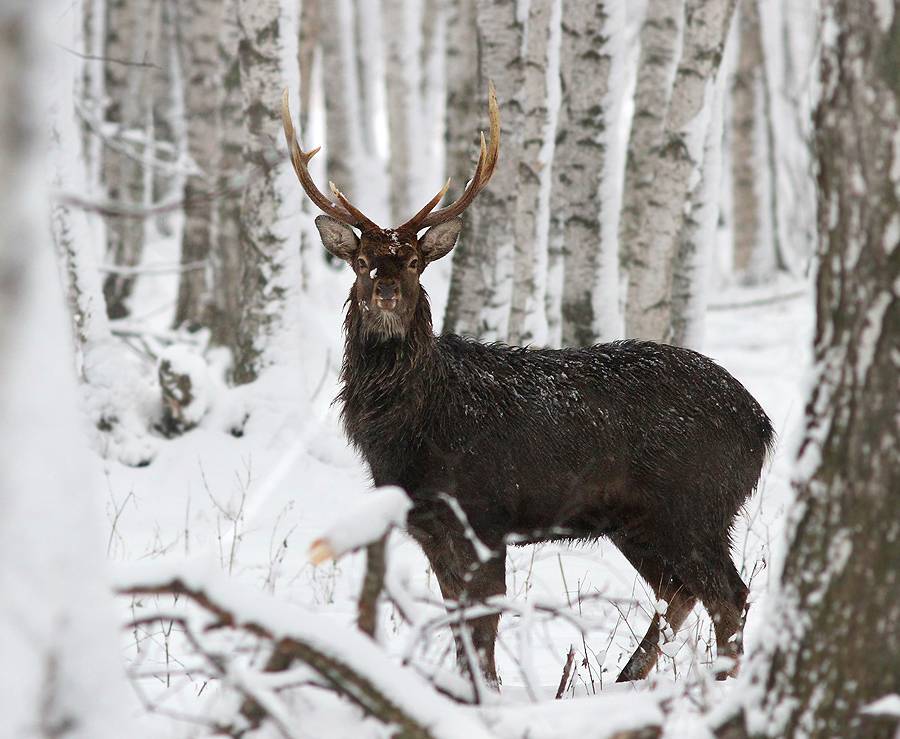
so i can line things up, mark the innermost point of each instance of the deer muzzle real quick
(386, 294)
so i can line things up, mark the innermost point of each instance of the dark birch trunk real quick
(746, 138)
(835, 640)
(130, 60)
(199, 32)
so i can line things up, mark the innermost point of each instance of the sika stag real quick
(654, 446)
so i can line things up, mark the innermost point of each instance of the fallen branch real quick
(345, 661)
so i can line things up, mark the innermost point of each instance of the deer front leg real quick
(467, 581)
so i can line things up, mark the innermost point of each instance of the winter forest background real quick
(718, 174)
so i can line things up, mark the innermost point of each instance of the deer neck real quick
(385, 380)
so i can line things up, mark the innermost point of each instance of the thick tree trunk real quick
(263, 282)
(343, 150)
(746, 138)
(836, 636)
(480, 285)
(526, 314)
(129, 58)
(463, 94)
(585, 159)
(199, 30)
(402, 40)
(223, 306)
(690, 278)
(657, 189)
(660, 36)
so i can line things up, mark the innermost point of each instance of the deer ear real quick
(438, 240)
(337, 237)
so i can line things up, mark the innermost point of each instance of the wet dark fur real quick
(653, 446)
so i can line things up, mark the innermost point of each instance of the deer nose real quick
(386, 290)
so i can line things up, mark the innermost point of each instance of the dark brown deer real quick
(653, 446)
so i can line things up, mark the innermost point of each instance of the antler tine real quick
(363, 222)
(300, 159)
(487, 162)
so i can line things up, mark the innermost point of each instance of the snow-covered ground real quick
(255, 503)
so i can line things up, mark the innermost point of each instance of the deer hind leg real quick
(668, 587)
(712, 575)
(728, 621)
(466, 581)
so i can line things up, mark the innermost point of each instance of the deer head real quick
(388, 261)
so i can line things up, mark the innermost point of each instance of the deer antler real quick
(345, 213)
(487, 162)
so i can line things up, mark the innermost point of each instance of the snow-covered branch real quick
(347, 662)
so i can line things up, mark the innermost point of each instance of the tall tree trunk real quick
(463, 94)
(526, 313)
(480, 284)
(199, 30)
(659, 38)
(343, 150)
(591, 61)
(403, 42)
(264, 32)
(223, 304)
(747, 139)
(690, 277)
(657, 190)
(130, 59)
(835, 647)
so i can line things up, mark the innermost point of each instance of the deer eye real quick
(361, 264)
(414, 264)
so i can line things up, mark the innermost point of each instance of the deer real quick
(652, 446)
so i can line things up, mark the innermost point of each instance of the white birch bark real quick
(268, 40)
(478, 301)
(586, 165)
(691, 278)
(343, 146)
(403, 41)
(663, 165)
(526, 314)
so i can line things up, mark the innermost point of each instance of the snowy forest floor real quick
(256, 502)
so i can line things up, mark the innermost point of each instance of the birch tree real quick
(199, 33)
(463, 94)
(526, 312)
(129, 65)
(690, 274)
(746, 94)
(267, 32)
(403, 46)
(585, 166)
(663, 159)
(481, 281)
(831, 666)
